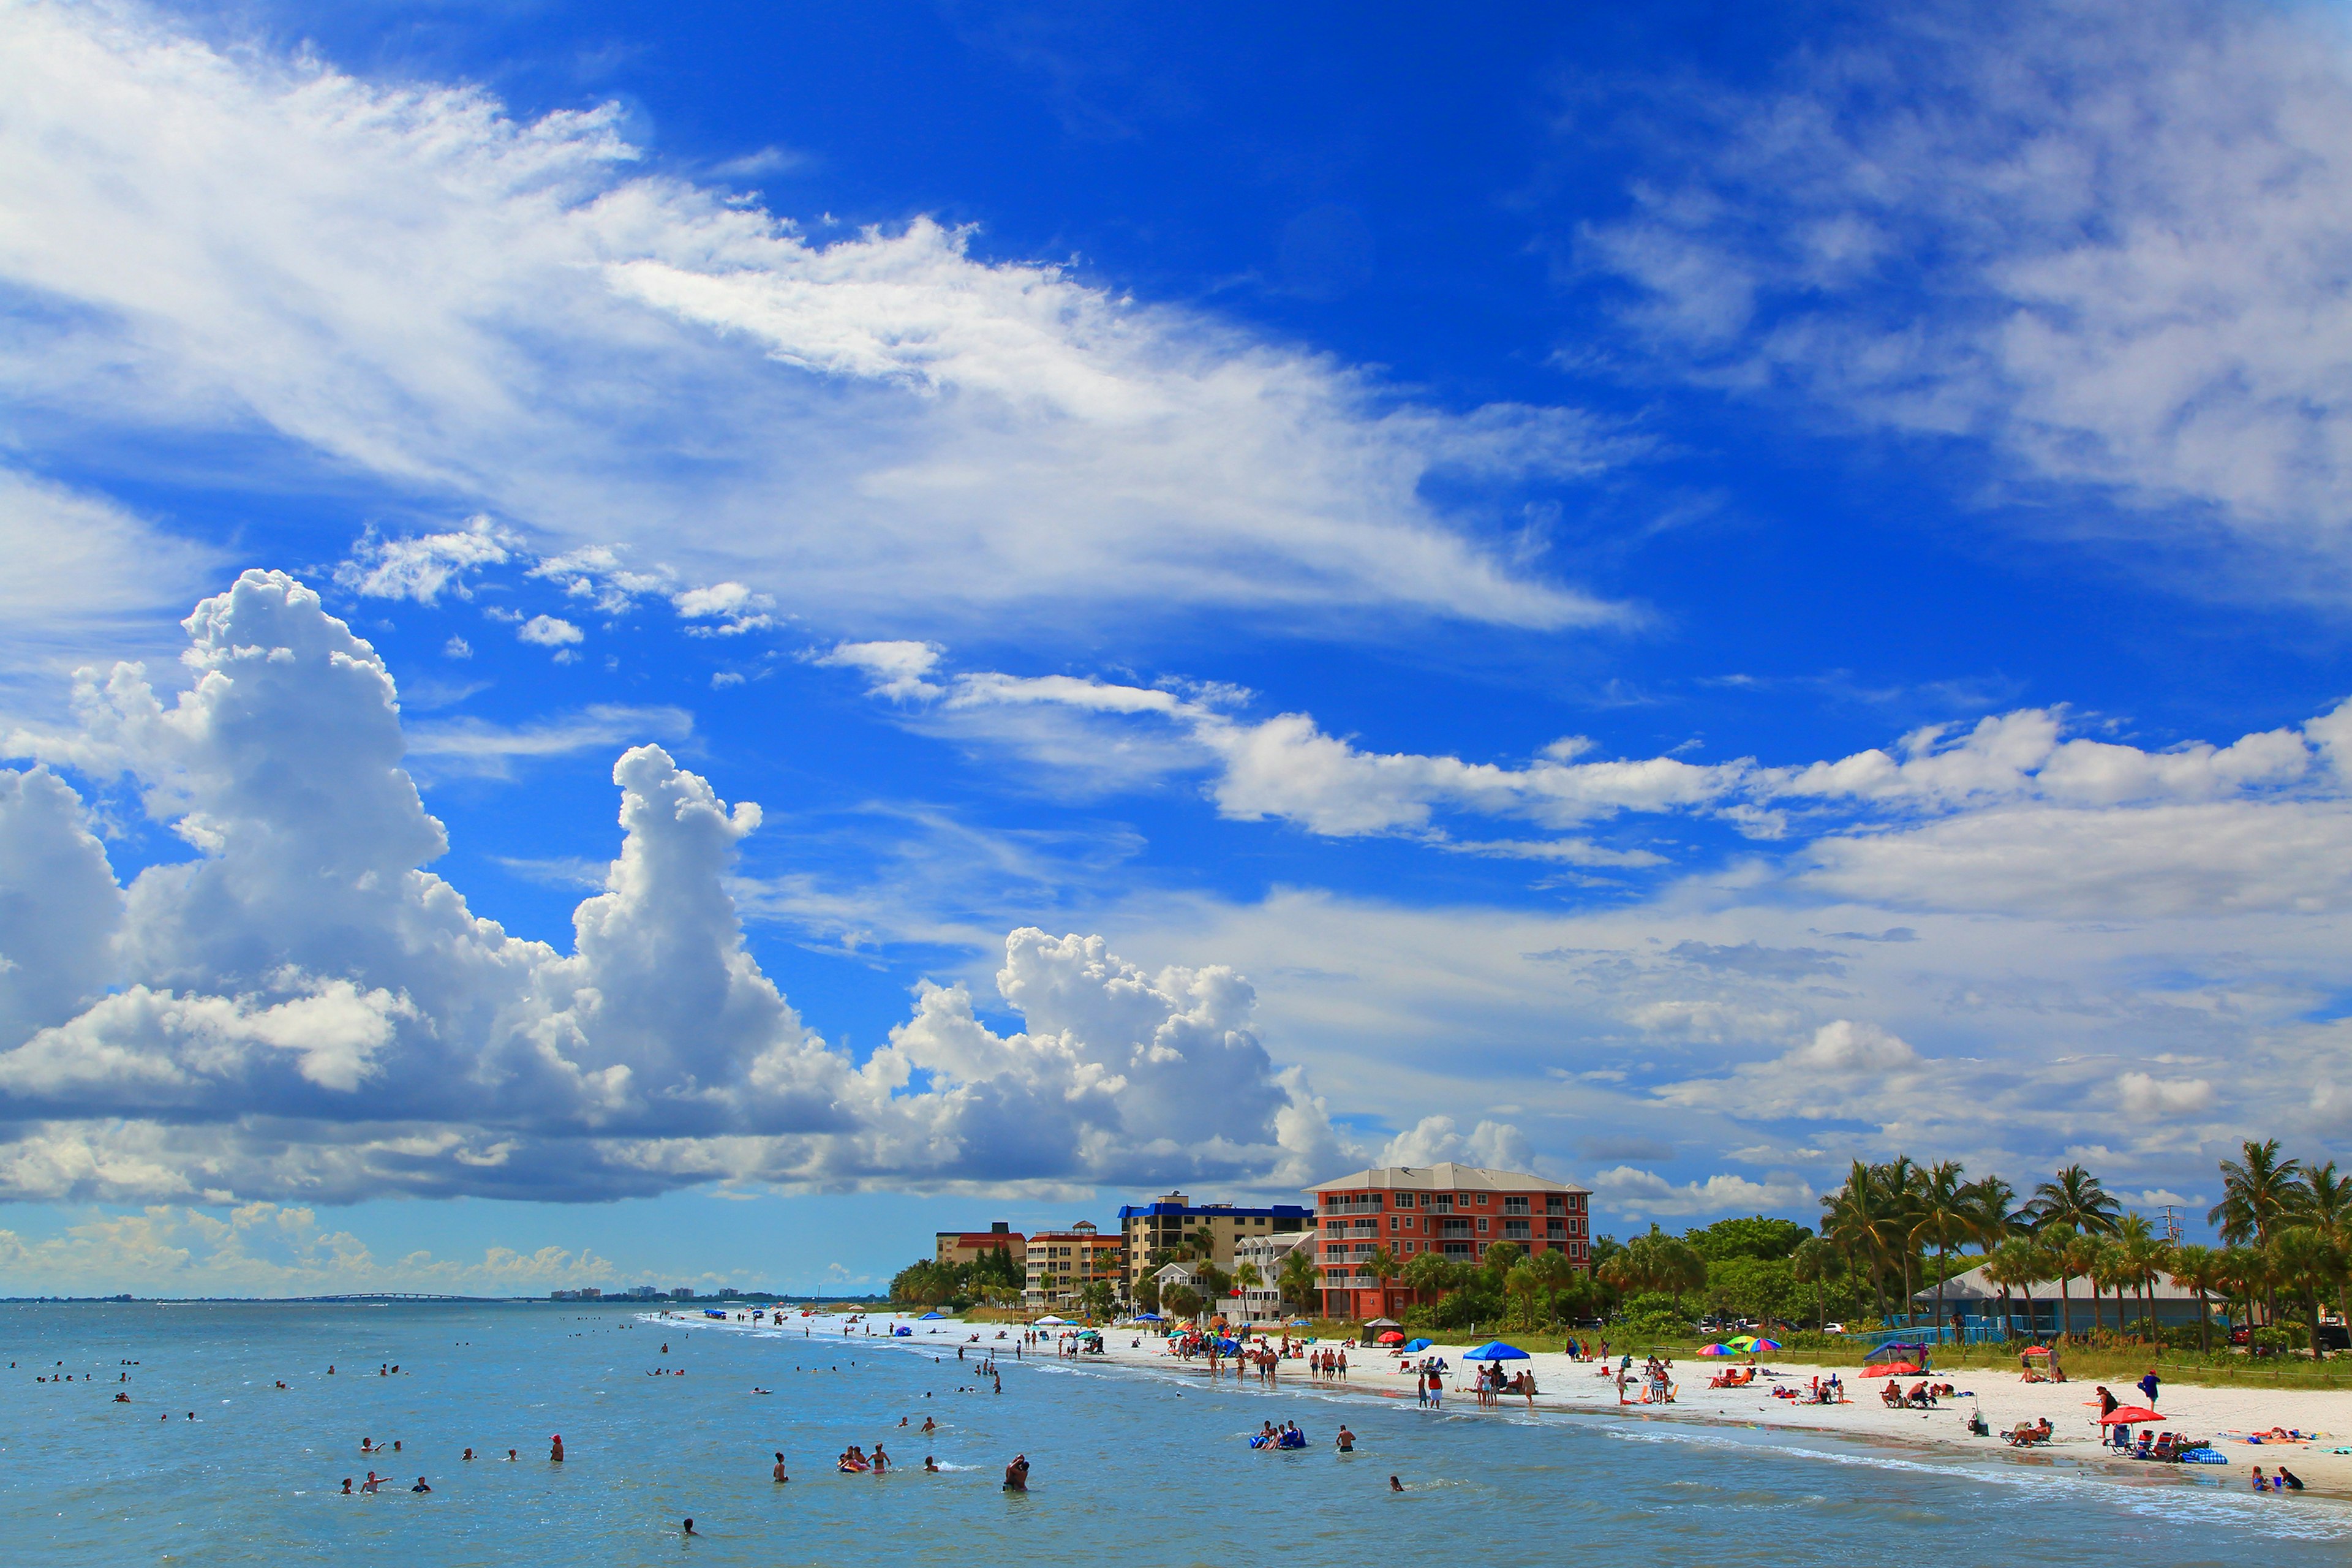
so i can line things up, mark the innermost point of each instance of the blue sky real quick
(1678, 598)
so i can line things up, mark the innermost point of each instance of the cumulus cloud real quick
(420, 566)
(1629, 1190)
(1845, 1071)
(548, 631)
(2105, 238)
(405, 281)
(301, 1009)
(2010, 811)
(1434, 1139)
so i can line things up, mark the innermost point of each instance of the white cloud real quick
(735, 608)
(548, 631)
(2104, 238)
(479, 747)
(1494, 1146)
(457, 647)
(1629, 1190)
(301, 1008)
(1847, 1069)
(406, 281)
(2143, 1094)
(421, 566)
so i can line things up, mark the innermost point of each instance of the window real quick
(1516, 1229)
(1482, 1225)
(1482, 1200)
(1445, 1202)
(1556, 1227)
(1457, 1249)
(1555, 1203)
(1515, 1205)
(1455, 1227)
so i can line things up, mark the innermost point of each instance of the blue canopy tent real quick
(1150, 1318)
(1495, 1350)
(930, 1317)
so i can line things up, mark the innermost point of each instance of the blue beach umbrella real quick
(1150, 1318)
(1495, 1350)
(1415, 1345)
(930, 1317)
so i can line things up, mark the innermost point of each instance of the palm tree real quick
(2326, 1207)
(1945, 1218)
(1384, 1266)
(2074, 1201)
(1814, 1262)
(1296, 1273)
(2258, 1192)
(1525, 1281)
(2309, 1265)
(2199, 1270)
(1557, 1273)
(2016, 1264)
(2139, 1254)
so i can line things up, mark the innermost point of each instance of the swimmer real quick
(469, 1453)
(881, 1459)
(367, 1445)
(1395, 1485)
(930, 1426)
(689, 1527)
(395, 1445)
(371, 1484)
(555, 1449)
(930, 1465)
(1016, 1474)
(1347, 1440)
(420, 1486)
(347, 1485)
(779, 1471)
(510, 1454)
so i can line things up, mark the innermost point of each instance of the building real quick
(1151, 1232)
(1974, 1305)
(1262, 1302)
(1071, 1259)
(1456, 1211)
(966, 1246)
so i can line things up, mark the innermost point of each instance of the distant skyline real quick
(814, 625)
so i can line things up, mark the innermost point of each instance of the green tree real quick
(1755, 1236)
(1430, 1276)
(2325, 1206)
(1296, 1273)
(2259, 1191)
(2200, 1268)
(1183, 1300)
(1555, 1274)
(2309, 1265)
(1815, 1262)
(1147, 1294)
(2015, 1264)
(1098, 1297)
(1499, 1259)
(2076, 1202)
(1945, 1218)
(1384, 1266)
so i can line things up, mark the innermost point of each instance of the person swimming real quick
(420, 1486)
(1016, 1474)
(469, 1453)
(1395, 1485)
(689, 1527)
(347, 1485)
(930, 1465)
(881, 1459)
(555, 1449)
(779, 1471)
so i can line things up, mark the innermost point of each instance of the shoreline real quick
(1580, 1389)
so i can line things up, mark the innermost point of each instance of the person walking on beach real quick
(2148, 1385)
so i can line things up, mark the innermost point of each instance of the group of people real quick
(1491, 1385)
(1923, 1394)
(1330, 1365)
(1286, 1435)
(1429, 1383)
(1657, 1380)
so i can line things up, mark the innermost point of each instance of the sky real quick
(678, 645)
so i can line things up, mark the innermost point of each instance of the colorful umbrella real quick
(1717, 1350)
(1765, 1345)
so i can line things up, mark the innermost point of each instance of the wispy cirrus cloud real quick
(530, 317)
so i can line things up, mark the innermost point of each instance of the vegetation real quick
(993, 1278)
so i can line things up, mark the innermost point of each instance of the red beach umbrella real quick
(1393, 1338)
(2131, 1416)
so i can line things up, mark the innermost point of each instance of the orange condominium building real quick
(1456, 1211)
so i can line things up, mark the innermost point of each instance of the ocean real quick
(1130, 1467)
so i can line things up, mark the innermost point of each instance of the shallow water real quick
(1131, 1465)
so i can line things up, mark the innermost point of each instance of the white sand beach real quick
(2071, 1407)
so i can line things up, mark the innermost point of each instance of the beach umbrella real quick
(1765, 1345)
(929, 1316)
(1742, 1341)
(1717, 1350)
(1415, 1344)
(1150, 1318)
(1495, 1350)
(1392, 1338)
(2131, 1416)
(1049, 1320)
(2037, 1349)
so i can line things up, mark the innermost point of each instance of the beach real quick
(2071, 1408)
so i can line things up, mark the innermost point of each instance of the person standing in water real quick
(1016, 1474)
(779, 1471)
(555, 1449)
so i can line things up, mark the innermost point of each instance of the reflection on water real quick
(1129, 1466)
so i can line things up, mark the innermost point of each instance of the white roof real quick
(1973, 1286)
(1446, 1177)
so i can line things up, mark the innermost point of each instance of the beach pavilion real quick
(1977, 1307)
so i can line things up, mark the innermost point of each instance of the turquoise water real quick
(1131, 1466)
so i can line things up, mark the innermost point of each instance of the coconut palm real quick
(2326, 1207)
(1384, 1266)
(2305, 1261)
(2259, 1192)
(1945, 1218)
(2139, 1254)
(1815, 1262)
(2198, 1269)
(2015, 1264)
(1556, 1274)
(1296, 1274)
